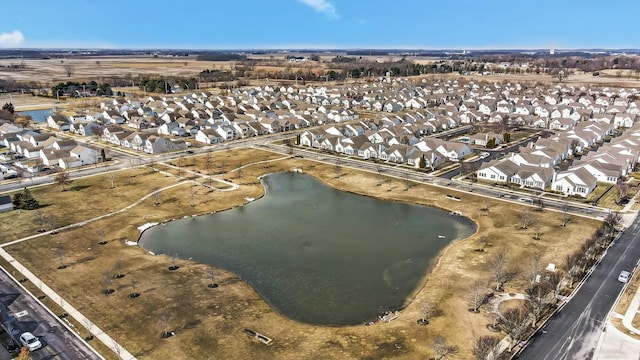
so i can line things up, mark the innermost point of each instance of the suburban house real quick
(498, 171)
(533, 177)
(577, 182)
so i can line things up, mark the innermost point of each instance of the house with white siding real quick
(576, 182)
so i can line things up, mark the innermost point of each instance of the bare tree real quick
(571, 263)
(117, 268)
(212, 276)
(514, 322)
(428, 310)
(68, 69)
(60, 253)
(89, 326)
(208, 163)
(156, 196)
(192, 194)
(498, 266)
(239, 174)
(484, 347)
(101, 234)
(134, 293)
(407, 182)
(443, 349)
(164, 321)
(623, 191)
(538, 231)
(560, 74)
(62, 178)
(483, 241)
(51, 219)
(40, 219)
(537, 301)
(107, 283)
(477, 295)
(222, 168)
(174, 262)
(179, 165)
(532, 266)
(379, 176)
(338, 168)
(565, 218)
(132, 166)
(485, 205)
(112, 180)
(525, 216)
(555, 281)
(611, 221)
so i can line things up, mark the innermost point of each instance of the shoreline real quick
(409, 299)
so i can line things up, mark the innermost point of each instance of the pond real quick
(315, 254)
(37, 115)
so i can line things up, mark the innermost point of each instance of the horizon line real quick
(310, 48)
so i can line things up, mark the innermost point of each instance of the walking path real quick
(68, 308)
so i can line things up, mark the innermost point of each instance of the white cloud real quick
(11, 39)
(321, 6)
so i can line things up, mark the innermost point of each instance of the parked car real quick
(32, 342)
(624, 276)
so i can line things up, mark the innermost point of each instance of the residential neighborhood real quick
(396, 121)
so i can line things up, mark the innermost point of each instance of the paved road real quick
(21, 312)
(574, 332)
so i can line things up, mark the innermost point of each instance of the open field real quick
(83, 199)
(209, 322)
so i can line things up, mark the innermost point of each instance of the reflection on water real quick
(317, 255)
(37, 115)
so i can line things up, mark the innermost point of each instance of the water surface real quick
(315, 254)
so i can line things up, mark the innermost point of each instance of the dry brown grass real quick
(83, 199)
(209, 322)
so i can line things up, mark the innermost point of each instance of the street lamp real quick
(58, 95)
(144, 88)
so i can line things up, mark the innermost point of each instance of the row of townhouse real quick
(34, 150)
(142, 140)
(535, 166)
(434, 106)
(396, 144)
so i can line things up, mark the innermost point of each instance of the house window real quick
(558, 187)
(501, 177)
(493, 176)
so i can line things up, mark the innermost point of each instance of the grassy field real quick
(83, 199)
(209, 322)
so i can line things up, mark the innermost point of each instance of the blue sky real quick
(259, 24)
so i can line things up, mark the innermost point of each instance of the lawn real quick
(209, 323)
(83, 199)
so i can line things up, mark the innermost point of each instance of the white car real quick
(624, 276)
(32, 342)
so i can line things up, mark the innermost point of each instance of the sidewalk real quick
(632, 310)
(73, 312)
